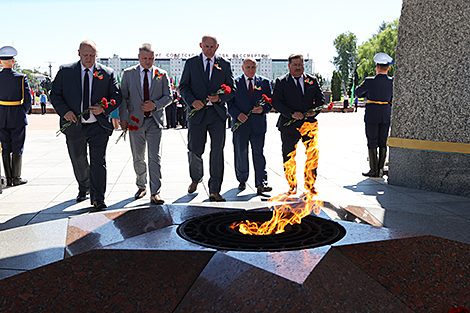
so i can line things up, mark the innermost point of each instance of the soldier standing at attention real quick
(379, 91)
(15, 101)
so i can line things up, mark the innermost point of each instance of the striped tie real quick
(250, 88)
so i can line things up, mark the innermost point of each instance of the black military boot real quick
(381, 163)
(7, 166)
(16, 161)
(373, 164)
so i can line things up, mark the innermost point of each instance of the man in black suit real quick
(78, 86)
(295, 95)
(202, 76)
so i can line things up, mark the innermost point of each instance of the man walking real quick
(146, 92)
(202, 77)
(250, 91)
(15, 101)
(76, 90)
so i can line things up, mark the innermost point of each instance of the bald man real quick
(76, 87)
(202, 76)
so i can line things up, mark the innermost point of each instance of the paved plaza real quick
(34, 217)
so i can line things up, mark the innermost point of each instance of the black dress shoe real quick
(242, 186)
(156, 199)
(81, 196)
(215, 197)
(260, 189)
(99, 205)
(140, 193)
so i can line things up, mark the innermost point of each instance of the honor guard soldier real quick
(15, 101)
(379, 91)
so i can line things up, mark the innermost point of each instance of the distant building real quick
(174, 64)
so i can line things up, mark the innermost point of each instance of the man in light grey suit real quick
(146, 92)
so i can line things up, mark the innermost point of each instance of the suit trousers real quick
(149, 133)
(197, 137)
(377, 134)
(12, 139)
(240, 147)
(289, 143)
(90, 176)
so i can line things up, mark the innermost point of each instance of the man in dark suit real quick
(78, 86)
(202, 77)
(295, 95)
(15, 101)
(250, 88)
(379, 91)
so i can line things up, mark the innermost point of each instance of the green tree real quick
(33, 81)
(384, 41)
(344, 62)
(321, 81)
(336, 86)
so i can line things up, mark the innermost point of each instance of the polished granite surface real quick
(137, 262)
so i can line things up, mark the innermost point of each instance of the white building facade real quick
(174, 64)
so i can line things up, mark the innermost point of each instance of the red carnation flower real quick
(267, 99)
(227, 89)
(113, 102)
(136, 120)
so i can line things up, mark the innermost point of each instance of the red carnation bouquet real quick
(264, 99)
(224, 89)
(104, 103)
(131, 127)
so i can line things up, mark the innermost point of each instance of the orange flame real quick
(286, 213)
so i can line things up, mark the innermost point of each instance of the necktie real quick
(250, 87)
(208, 70)
(146, 90)
(86, 94)
(298, 85)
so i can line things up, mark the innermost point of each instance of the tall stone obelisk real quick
(430, 132)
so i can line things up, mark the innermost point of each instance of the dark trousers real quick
(170, 112)
(12, 139)
(197, 137)
(377, 134)
(181, 116)
(289, 142)
(240, 149)
(43, 108)
(90, 176)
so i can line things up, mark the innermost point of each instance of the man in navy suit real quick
(250, 88)
(202, 77)
(295, 93)
(76, 87)
(379, 91)
(15, 101)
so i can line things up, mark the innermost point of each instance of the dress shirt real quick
(149, 77)
(247, 81)
(204, 61)
(92, 118)
(301, 80)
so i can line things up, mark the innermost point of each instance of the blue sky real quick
(51, 30)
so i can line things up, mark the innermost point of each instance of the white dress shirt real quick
(92, 118)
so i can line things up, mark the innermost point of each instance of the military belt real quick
(376, 102)
(11, 102)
